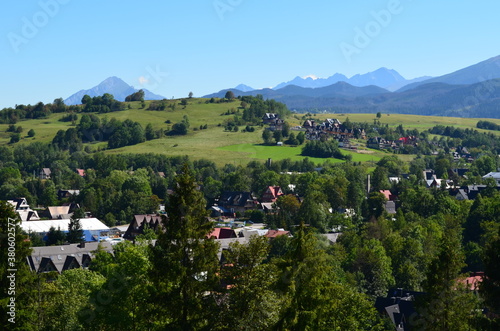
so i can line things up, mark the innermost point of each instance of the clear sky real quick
(53, 48)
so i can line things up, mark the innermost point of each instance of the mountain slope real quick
(381, 77)
(112, 85)
(340, 90)
(479, 72)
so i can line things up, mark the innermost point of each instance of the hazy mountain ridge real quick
(112, 85)
(386, 78)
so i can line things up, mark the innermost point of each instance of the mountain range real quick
(386, 78)
(112, 85)
(470, 92)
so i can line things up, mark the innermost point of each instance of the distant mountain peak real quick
(244, 88)
(313, 77)
(112, 85)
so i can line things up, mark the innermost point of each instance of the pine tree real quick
(184, 261)
(75, 232)
(315, 298)
(490, 287)
(446, 305)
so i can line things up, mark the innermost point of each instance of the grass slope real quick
(217, 145)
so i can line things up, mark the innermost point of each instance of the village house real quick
(45, 173)
(272, 193)
(63, 194)
(64, 257)
(23, 209)
(93, 229)
(140, 222)
(237, 201)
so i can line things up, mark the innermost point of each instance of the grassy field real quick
(218, 145)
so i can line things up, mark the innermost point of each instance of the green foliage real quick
(246, 271)
(55, 237)
(101, 104)
(229, 95)
(487, 125)
(323, 149)
(267, 136)
(258, 107)
(14, 258)
(31, 133)
(14, 138)
(136, 96)
(315, 298)
(446, 304)
(75, 232)
(184, 260)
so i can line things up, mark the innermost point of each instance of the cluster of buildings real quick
(394, 145)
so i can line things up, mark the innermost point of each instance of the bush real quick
(31, 133)
(14, 138)
(316, 148)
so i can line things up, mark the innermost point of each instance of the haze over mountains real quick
(386, 78)
(470, 92)
(112, 85)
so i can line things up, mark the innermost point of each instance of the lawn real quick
(262, 152)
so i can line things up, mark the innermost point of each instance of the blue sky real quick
(53, 48)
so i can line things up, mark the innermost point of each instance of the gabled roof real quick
(235, 198)
(275, 233)
(46, 171)
(136, 227)
(494, 175)
(81, 172)
(17, 203)
(64, 257)
(57, 211)
(222, 233)
(387, 194)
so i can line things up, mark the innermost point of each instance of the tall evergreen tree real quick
(75, 232)
(490, 287)
(16, 280)
(446, 305)
(315, 298)
(184, 261)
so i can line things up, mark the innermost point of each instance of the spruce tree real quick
(446, 305)
(184, 260)
(75, 232)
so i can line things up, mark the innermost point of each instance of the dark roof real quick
(55, 258)
(399, 306)
(136, 227)
(235, 198)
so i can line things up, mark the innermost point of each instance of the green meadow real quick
(218, 145)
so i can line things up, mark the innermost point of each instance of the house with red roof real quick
(271, 234)
(272, 193)
(222, 233)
